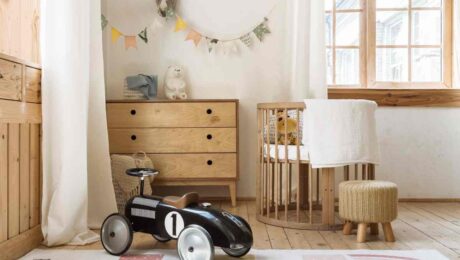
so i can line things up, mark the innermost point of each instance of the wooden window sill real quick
(401, 97)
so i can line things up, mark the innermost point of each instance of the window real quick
(389, 43)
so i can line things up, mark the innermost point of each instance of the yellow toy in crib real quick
(290, 130)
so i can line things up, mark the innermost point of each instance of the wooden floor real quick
(419, 226)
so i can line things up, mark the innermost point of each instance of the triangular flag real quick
(261, 30)
(194, 36)
(211, 44)
(115, 34)
(180, 24)
(130, 41)
(104, 22)
(230, 48)
(246, 39)
(143, 35)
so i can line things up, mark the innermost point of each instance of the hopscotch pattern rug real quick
(55, 254)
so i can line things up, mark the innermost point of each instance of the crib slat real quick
(259, 177)
(310, 197)
(298, 168)
(346, 172)
(356, 171)
(276, 165)
(286, 158)
(317, 186)
(267, 165)
(363, 171)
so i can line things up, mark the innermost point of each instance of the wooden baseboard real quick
(400, 200)
(21, 244)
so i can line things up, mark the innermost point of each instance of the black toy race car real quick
(198, 227)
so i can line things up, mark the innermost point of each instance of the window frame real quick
(368, 47)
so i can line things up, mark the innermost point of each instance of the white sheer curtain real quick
(306, 45)
(76, 163)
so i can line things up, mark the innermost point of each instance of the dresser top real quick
(169, 101)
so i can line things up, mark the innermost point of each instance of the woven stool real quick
(368, 203)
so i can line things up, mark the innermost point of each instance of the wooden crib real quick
(289, 192)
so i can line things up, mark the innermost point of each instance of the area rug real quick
(57, 254)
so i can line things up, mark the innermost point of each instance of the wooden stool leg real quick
(347, 227)
(388, 232)
(362, 228)
(374, 228)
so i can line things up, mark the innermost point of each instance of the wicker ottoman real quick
(368, 203)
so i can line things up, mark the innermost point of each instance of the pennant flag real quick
(104, 22)
(211, 44)
(247, 40)
(194, 36)
(180, 24)
(170, 13)
(130, 42)
(230, 48)
(261, 30)
(157, 23)
(115, 34)
(143, 35)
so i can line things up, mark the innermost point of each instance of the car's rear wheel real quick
(195, 243)
(161, 239)
(236, 252)
(116, 234)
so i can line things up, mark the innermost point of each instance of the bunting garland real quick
(167, 12)
(130, 41)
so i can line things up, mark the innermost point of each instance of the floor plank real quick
(419, 226)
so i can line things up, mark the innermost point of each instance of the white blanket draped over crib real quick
(340, 132)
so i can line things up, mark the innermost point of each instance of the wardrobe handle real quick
(209, 136)
(133, 137)
(209, 111)
(209, 162)
(133, 112)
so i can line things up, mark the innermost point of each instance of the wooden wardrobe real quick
(20, 128)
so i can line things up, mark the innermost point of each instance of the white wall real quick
(420, 146)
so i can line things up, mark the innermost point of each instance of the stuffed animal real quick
(290, 131)
(174, 83)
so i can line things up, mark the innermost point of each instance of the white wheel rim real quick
(194, 243)
(115, 234)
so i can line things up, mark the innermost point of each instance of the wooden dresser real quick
(191, 142)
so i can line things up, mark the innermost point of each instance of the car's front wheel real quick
(116, 234)
(195, 243)
(236, 252)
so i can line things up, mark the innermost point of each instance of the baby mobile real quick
(167, 12)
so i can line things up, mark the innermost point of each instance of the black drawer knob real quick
(209, 111)
(133, 112)
(209, 136)
(209, 162)
(133, 137)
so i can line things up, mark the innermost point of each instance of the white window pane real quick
(347, 4)
(392, 27)
(426, 27)
(391, 64)
(328, 5)
(426, 64)
(329, 66)
(347, 29)
(328, 29)
(347, 66)
(392, 3)
(426, 3)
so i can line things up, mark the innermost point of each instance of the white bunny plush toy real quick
(174, 83)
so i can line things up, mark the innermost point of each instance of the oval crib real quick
(289, 192)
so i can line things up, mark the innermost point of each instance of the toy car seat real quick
(181, 202)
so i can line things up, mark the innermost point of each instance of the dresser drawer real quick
(194, 166)
(10, 80)
(172, 140)
(180, 114)
(33, 85)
